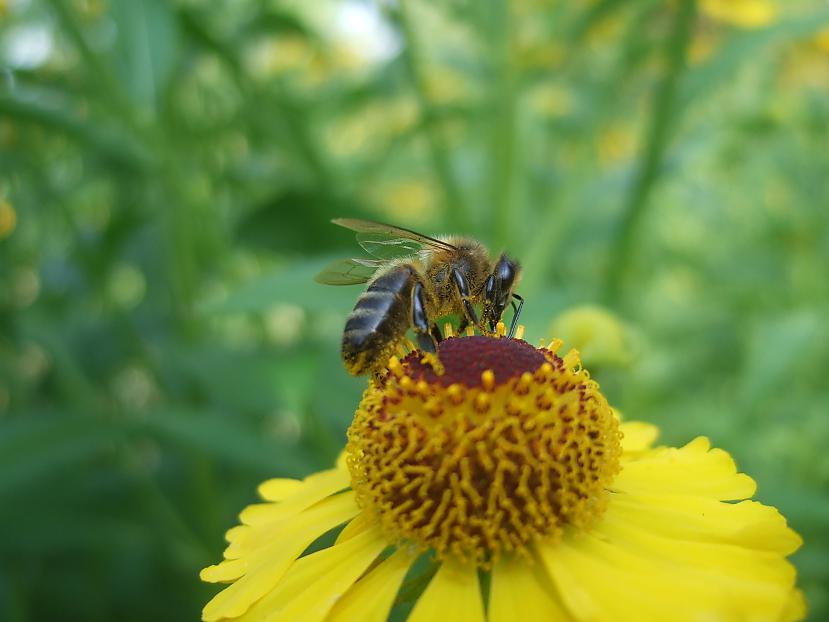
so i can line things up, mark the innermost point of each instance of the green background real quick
(167, 174)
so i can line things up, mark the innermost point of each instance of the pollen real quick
(509, 444)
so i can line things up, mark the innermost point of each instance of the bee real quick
(413, 281)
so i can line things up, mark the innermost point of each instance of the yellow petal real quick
(372, 597)
(312, 489)
(637, 436)
(314, 583)
(748, 523)
(355, 527)
(694, 469)
(629, 575)
(795, 607)
(341, 462)
(521, 591)
(262, 519)
(722, 562)
(453, 594)
(234, 533)
(278, 489)
(228, 570)
(269, 561)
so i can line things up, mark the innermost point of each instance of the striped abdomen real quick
(379, 319)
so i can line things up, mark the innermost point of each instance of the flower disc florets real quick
(498, 445)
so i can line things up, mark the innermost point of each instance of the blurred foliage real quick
(167, 173)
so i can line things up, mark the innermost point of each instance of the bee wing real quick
(390, 242)
(349, 271)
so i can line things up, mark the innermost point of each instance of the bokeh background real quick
(167, 173)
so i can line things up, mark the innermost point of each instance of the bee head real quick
(498, 289)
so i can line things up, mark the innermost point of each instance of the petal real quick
(278, 489)
(314, 583)
(520, 590)
(261, 518)
(722, 562)
(268, 562)
(453, 594)
(694, 469)
(341, 464)
(355, 527)
(748, 523)
(372, 597)
(628, 569)
(312, 489)
(637, 436)
(795, 607)
(223, 572)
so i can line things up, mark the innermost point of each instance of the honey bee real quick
(413, 281)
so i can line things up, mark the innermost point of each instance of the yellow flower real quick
(822, 40)
(504, 462)
(616, 144)
(742, 13)
(8, 219)
(600, 336)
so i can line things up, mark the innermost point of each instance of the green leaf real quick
(293, 284)
(226, 439)
(744, 47)
(146, 47)
(35, 448)
(53, 112)
(779, 349)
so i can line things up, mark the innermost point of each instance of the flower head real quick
(508, 445)
(497, 458)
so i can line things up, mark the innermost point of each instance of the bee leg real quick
(436, 334)
(420, 322)
(463, 291)
(516, 314)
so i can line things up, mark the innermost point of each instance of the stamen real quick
(482, 402)
(555, 345)
(395, 367)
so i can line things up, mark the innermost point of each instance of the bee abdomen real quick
(379, 319)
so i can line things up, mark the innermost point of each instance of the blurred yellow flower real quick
(551, 101)
(410, 200)
(8, 219)
(274, 56)
(605, 30)
(616, 144)
(599, 335)
(703, 46)
(371, 126)
(742, 13)
(822, 40)
(444, 85)
(508, 463)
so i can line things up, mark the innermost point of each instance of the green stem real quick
(113, 95)
(503, 124)
(441, 161)
(658, 136)
(165, 512)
